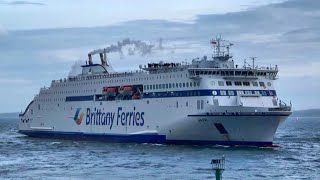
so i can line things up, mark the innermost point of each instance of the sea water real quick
(22, 157)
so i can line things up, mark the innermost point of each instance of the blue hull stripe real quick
(138, 138)
(188, 93)
(241, 114)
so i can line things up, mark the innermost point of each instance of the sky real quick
(42, 40)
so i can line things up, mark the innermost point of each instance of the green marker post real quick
(218, 167)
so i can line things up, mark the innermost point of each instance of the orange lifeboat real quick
(126, 90)
(110, 91)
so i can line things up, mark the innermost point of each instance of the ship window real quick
(246, 83)
(231, 93)
(197, 72)
(237, 83)
(222, 73)
(221, 83)
(160, 86)
(157, 86)
(254, 83)
(180, 85)
(172, 85)
(38, 106)
(261, 83)
(187, 84)
(177, 104)
(163, 86)
(228, 83)
(194, 84)
(183, 84)
(201, 72)
(198, 104)
(202, 103)
(153, 86)
(269, 83)
(239, 92)
(190, 84)
(223, 93)
(187, 104)
(177, 85)
(169, 85)
(198, 83)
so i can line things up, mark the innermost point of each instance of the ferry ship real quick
(208, 101)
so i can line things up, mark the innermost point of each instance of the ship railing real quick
(282, 106)
(44, 88)
(113, 75)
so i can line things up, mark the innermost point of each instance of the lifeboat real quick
(110, 91)
(126, 90)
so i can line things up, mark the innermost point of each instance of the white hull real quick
(161, 123)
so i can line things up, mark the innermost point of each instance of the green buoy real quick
(218, 167)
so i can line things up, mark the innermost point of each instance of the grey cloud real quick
(22, 3)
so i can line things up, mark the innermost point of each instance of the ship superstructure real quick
(209, 101)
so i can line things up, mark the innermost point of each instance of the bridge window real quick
(254, 83)
(261, 83)
(229, 83)
(221, 83)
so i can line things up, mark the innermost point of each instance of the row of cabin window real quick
(244, 83)
(171, 85)
(232, 93)
(230, 73)
(49, 100)
(120, 80)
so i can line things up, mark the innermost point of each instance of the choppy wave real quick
(22, 157)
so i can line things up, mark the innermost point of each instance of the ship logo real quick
(78, 119)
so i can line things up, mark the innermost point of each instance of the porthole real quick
(214, 93)
(269, 83)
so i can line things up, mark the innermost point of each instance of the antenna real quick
(253, 60)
